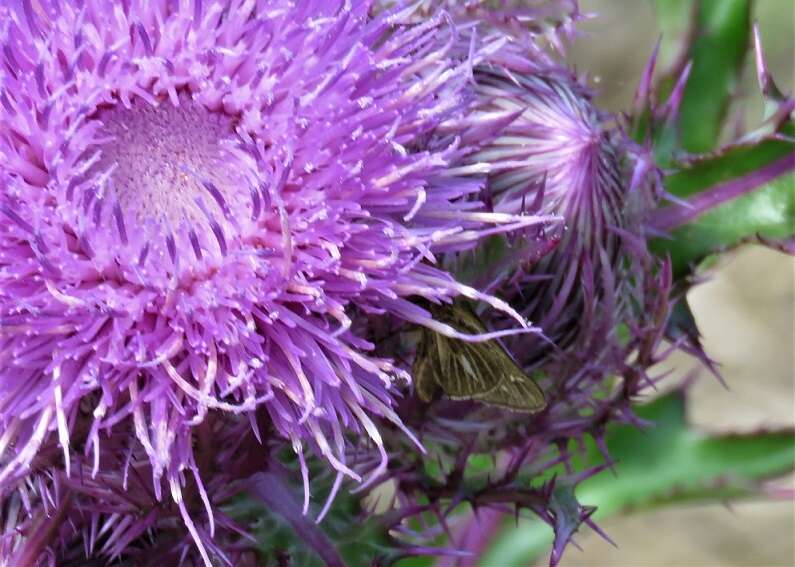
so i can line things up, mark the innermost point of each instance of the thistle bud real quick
(558, 155)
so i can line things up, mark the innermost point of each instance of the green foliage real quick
(666, 464)
(730, 164)
(672, 461)
(719, 33)
(722, 36)
(768, 211)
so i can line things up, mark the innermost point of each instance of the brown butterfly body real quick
(481, 371)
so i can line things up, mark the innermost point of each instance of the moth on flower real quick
(482, 371)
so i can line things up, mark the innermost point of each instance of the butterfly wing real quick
(467, 370)
(424, 370)
(481, 371)
(516, 392)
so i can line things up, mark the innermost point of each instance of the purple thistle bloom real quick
(198, 198)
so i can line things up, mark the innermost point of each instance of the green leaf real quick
(672, 461)
(721, 34)
(734, 162)
(419, 561)
(666, 464)
(768, 211)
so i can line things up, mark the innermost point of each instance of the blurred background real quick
(746, 313)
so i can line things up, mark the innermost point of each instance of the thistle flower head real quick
(559, 155)
(198, 198)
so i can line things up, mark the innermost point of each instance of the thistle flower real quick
(197, 200)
